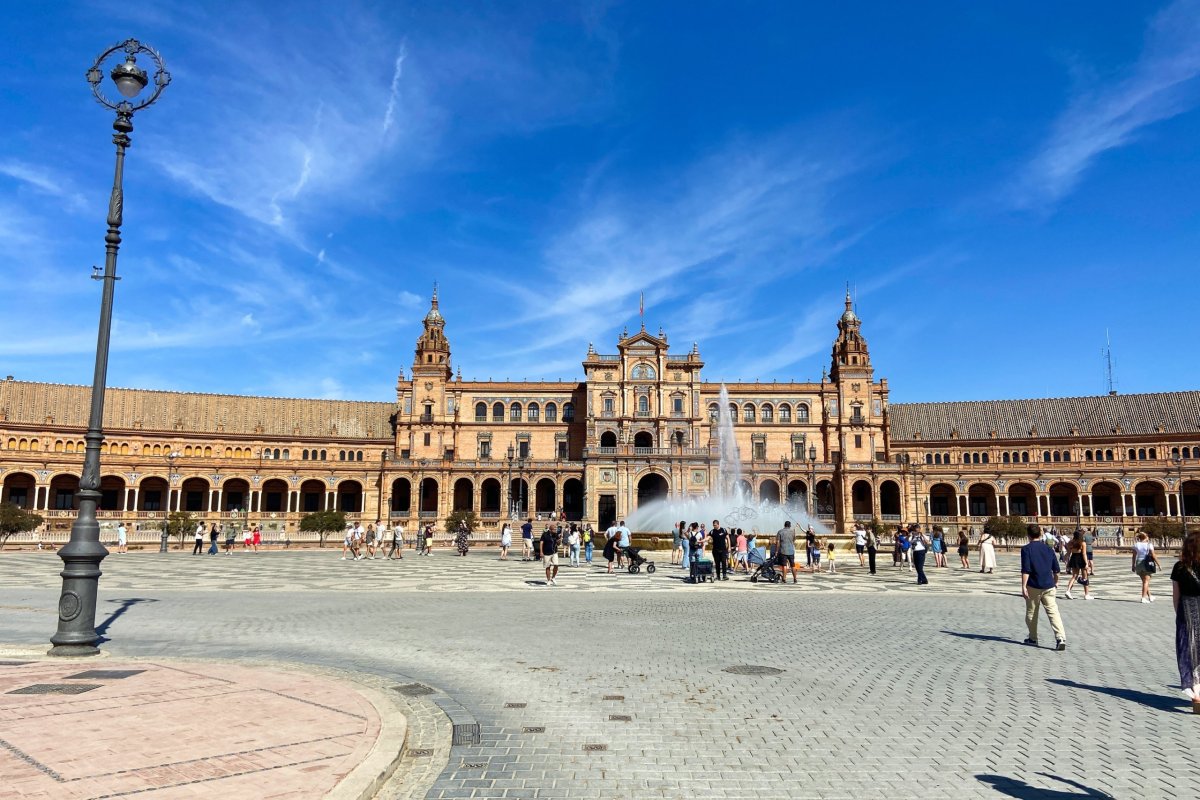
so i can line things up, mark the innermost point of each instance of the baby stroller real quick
(764, 568)
(637, 560)
(701, 569)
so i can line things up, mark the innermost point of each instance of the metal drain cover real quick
(474, 765)
(614, 697)
(752, 669)
(595, 748)
(423, 753)
(620, 718)
(413, 689)
(515, 705)
(56, 688)
(533, 729)
(105, 674)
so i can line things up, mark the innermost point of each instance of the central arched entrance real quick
(651, 487)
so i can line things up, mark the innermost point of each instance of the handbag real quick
(1150, 565)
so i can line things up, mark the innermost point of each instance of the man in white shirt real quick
(612, 533)
(860, 543)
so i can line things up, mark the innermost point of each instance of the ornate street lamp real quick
(1178, 461)
(76, 634)
(171, 476)
(812, 478)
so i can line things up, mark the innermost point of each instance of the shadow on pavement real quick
(1155, 701)
(125, 605)
(1018, 788)
(983, 637)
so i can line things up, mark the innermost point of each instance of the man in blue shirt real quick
(1039, 577)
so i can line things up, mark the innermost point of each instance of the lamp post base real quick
(73, 650)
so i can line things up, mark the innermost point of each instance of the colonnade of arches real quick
(421, 496)
(1104, 498)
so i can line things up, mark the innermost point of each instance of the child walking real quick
(832, 561)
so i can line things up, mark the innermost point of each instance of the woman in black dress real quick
(1185, 591)
(964, 547)
(610, 552)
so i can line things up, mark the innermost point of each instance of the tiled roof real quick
(143, 409)
(1102, 415)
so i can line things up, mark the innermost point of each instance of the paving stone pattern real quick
(887, 690)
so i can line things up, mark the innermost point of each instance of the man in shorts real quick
(785, 550)
(527, 540)
(860, 543)
(626, 539)
(549, 547)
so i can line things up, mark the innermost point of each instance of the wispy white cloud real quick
(45, 181)
(733, 220)
(389, 115)
(1160, 85)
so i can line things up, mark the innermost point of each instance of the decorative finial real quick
(625, 332)
(458, 376)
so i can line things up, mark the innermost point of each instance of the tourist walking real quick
(685, 544)
(815, 553)
(1145, 563)
(832, 561)
(462, 539)
(550, 555)
(987, 553)
(860, 544)
(904, 542)
(589, 537)
(1039, 579)
(505, 540)
(247, 539)
(741, 559)
(624, 542)
(212, 539)
(429, 540)
(573, 544)
(677, 533)
(397, 551)
(1185, 592)
(230, 538)
(964, 549)
(920, 548)
(720, 552)
(897, 553)
(122, 538)
(1077, 564)
(256, 538)
(610, 550)
(1089, 544)
(937, 547)
(810, 544)
(199, 533)
(785, 550)
(872, 548)
(526, 540)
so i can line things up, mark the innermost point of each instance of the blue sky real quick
(1001, 183)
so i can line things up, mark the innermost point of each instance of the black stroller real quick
(637, 561)
(764, 568)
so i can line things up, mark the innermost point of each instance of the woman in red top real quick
(257, 538)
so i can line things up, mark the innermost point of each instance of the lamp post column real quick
(76, 634)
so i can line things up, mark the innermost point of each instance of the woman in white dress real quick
(987, 553)
(505, 541)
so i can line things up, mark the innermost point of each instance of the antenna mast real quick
(1112, 391)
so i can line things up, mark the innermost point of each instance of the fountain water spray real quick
(730, 500)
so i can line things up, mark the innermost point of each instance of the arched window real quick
(1057, 456)
(514, 412)
(1108, 455)
(785, 413)
(985, 458)
(304, 455)
(1004, 458)
(643, 404)
(1046, 455)
(975, 458)
(1187, 452)
(1153, 454)
(533, 413)
(945, 458)
(568, 412)
(323, 456)
(481, 412)
(551, 412)
(341, 455)
(802, 413)
(748, 413)
(286, 454)
(1087, 455)
(359, 456)
(1141, 454)
(208, 452)
(498, 412)
(1066, 455)
(768, 413)
(277, 451)
(1132, 454)
(713, 411)
(929, 458)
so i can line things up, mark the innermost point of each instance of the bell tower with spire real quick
(433, 348)
(850, 355)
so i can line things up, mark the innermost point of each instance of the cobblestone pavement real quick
(619, 686)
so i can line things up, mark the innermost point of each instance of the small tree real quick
(323, 523)
(456, 517)
(1162, 529)
(878, 527)
(14, 519)
(179, 523)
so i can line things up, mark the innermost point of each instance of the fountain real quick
(729, 501)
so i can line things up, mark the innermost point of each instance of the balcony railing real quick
(425, 419)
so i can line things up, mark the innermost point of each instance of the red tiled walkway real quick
(176, 731)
